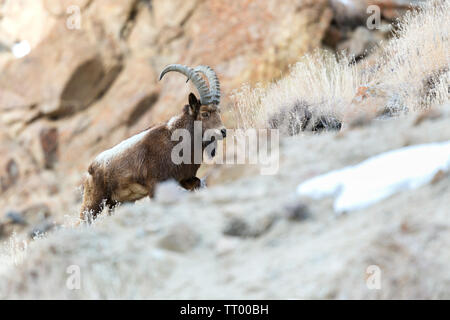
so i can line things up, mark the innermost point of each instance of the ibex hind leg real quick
(93, 201)
(151, 187)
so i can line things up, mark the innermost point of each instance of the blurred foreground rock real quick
(178, 250)
(179, 238)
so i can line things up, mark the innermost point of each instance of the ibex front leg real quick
(191, 183)
(92, 201)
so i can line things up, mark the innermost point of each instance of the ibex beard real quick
(132, 169)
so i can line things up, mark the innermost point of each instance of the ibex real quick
(130, 170)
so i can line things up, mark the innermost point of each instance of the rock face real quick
(90, 79)
(355, 12)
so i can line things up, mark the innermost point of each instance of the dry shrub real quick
(12, 252)
(415, 63)
(321, 80)
(411, 72)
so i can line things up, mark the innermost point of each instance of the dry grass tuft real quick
(415, 64)
(12, 253)
(322, 80)
(411, 73)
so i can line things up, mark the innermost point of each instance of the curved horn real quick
(214, 84)
(197, 80)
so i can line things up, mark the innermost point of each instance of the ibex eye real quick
(205, 114)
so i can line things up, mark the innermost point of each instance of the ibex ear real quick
(194, 104)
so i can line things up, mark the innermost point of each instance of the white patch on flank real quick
(109, 154)
(357, 187)
(172, 121)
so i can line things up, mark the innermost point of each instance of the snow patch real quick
(359, 186)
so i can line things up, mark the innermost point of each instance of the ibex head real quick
(206, 109)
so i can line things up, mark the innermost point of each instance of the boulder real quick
(296, 211)
(249, 227)
(63, 75)
(179, 237)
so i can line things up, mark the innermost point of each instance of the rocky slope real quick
(254, 238)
